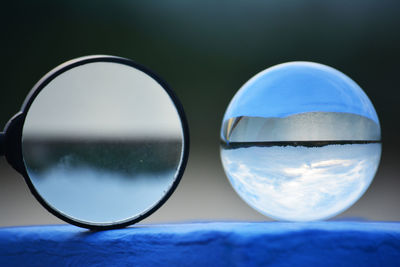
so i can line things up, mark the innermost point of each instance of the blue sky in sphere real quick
(301, 183)
(298, 87)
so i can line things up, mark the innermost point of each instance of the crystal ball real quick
(300, 141)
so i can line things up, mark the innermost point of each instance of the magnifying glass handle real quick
(10, 142)
(2, 144)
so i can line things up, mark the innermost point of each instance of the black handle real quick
(2, 144)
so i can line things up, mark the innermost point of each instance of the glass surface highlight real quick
(102, 143)
(300, 141)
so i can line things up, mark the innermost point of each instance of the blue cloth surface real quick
(205, 244)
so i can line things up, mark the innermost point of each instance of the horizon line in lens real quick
(313, 143)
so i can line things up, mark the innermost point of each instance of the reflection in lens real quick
(301, 183)
(300, 142)
(102, 143)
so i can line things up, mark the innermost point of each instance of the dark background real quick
(206, 50)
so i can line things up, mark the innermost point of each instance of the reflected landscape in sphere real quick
(102, 143)
(300, 141)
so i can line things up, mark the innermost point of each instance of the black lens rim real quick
(19, 121)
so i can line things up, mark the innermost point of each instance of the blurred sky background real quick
(206, 50)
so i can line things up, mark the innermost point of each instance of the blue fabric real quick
(205, 244)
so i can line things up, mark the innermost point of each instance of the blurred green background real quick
(206, 50)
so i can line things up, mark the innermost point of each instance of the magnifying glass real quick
(101, 141)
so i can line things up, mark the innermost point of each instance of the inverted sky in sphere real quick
(301, 183)
(299, 87)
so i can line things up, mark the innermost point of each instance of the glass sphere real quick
(300, 141)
